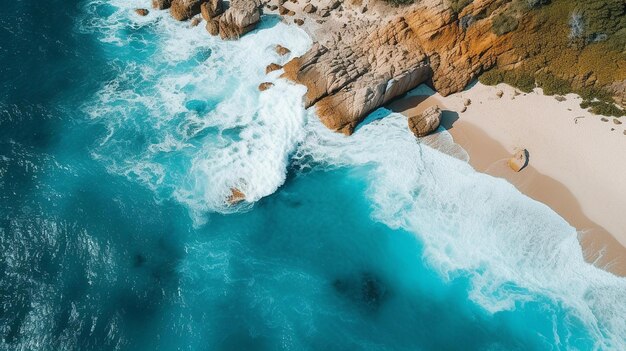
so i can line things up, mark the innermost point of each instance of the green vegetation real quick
(598, 101)
(522, 80)
(603, 108)
(566, 46)
(553, 85)
(503, 23)
(400, 2)
(458, 5)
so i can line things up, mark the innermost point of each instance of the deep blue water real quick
(111, 239)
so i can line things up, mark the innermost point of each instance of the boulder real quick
(183, 10)
(499, 93)
(426, 122)
(211, 9)
(142, 12)
(236, 196)
(467, 102)
(161, 4)
(519, 161)
(213, 27)
(281, 50)
(298, 21)
(282, 10)
(196, 21)
(272, 67)
(309, 8)
(265, 85)
(617, 121)
(240, 18)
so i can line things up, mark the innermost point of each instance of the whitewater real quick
(184, 119)
(512, 247)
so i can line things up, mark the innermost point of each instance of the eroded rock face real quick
(353, 73)
(240, 18)
(346, 79)
(183, 10)
(161, 4)
(426, 122)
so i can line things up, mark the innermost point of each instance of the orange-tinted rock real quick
(519, 161)
(272, 67)
(235, 197)
(426, 122)
(264, 86)
(183, 10)
(161, 4)
(142, 12)
(281, 50)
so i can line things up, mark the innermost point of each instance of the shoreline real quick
(488, 154)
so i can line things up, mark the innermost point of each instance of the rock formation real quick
(240, 18)
(519, 161)
(272, 67)
(235, 197)
(426, 122)
(361, 61)
(142, 12)
(161, 4)
(183, 10)
(265, 85)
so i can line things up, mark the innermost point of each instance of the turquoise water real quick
(121, 137)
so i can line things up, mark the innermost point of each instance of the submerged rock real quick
(142, 12)
(235, 197)
(272, 67)
(266, 85)
(519, 161)
(425, 123)
(281, 50)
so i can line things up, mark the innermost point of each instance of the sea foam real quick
(513, 249)
(185, 118)
(185, 112)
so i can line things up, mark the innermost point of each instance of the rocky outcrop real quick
(240, 18)
(281, 50)
(211, 9)
(519, 161)
(348, 79)
(161, 4)
(350, 73)
(265, 85)
(236, 196)
(272, 67)
(183, 10)
(142, 12)
(426, 122)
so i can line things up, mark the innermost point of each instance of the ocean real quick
(121, 137)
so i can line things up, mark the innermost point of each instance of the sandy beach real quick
(575, 166)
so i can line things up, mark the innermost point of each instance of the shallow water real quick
(120, 138)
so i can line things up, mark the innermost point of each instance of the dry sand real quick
(577, 165)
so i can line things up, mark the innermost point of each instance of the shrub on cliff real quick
(458, 5)
(400, 2)
(552, 85)
(603, 108)
(520, 79)
(503, 24)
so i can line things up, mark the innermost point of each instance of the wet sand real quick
(490, 156)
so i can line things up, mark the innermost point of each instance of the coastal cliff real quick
(369, 52)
